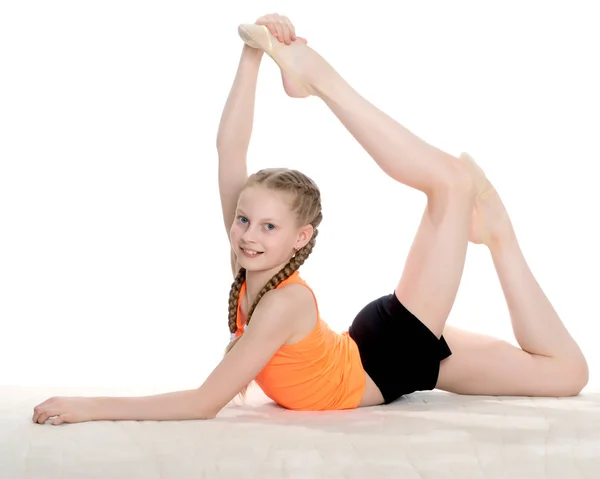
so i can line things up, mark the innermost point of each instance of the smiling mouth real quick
(250, 253)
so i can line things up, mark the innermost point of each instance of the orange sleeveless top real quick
(323, 371)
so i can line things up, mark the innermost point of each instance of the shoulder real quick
(298, 292)
(287, 298)
(278, 306)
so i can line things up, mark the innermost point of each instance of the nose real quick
(248, 235)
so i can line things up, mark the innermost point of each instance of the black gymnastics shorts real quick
(398, 352)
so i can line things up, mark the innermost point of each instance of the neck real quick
(256, 280)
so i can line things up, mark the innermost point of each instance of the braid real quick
(234, 295)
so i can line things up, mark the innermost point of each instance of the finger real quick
(287, 31)
(263, 20)
(285, 28)
(46, 413)
(41, 408)
(303, 40)
(58, 420)
(45, 416)
(269, 22)
(291, 28)
(285, 35)
(36, 413)
(42, 417)
(279, 29)
(272, 28)
(274, 25)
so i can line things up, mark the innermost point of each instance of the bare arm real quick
(277, 316)
(235, 130)
(172, 406)
(272, 325)
(233, 140)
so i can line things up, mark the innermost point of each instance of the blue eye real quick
(242, 219)
(270, 226)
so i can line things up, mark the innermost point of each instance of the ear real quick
(304, 235)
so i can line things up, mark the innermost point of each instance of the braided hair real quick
(307, 206)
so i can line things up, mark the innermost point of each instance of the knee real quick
(582, 375)
(576, 376)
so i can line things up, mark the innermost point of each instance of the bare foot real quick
(292, 59)
(291, 88)
(490, 221)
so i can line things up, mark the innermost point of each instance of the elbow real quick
(232, 142)
(231, 148)
(206, 414)
(222, 144)
(205, 411)
(203, 417)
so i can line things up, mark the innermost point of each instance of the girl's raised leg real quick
(549, 362)
(435, 263)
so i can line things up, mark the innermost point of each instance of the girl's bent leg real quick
(483, 365)
(549, 363)
(435, 263)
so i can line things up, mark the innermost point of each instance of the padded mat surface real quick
(426, 435)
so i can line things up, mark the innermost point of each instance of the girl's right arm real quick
(234, 134)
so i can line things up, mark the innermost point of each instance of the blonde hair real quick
(307, 207)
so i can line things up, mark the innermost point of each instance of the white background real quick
(114, 264)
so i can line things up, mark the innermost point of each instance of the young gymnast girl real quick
(398, 343)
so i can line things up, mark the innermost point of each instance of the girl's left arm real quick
(271, 327)
(269, 330)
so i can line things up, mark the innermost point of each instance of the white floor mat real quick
(426, 435)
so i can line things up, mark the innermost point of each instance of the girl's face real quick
(265, 231)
